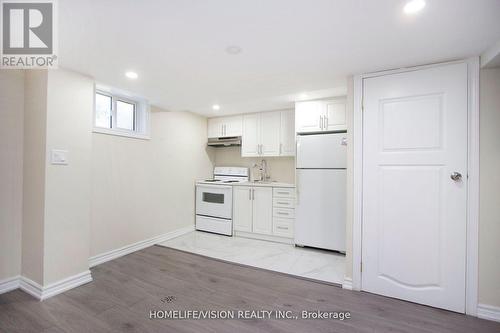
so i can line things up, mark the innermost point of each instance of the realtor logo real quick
(28, 34)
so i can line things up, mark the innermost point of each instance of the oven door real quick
(214, 200)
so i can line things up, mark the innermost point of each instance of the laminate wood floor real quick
(125, 290)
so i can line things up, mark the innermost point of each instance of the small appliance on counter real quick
(214, 200)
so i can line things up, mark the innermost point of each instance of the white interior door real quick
(414, 213)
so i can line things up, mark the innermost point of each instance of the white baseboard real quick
(9, 284)
(269, 238)
(113, 254)
(347, 284)
(489, 312)
(36, 290)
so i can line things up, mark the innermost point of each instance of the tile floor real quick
(284, 258)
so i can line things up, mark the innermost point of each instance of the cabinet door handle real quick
(320, 122)
(282, 228)
(282, 203)
(253, 194)
(249, 194)
(281, 148)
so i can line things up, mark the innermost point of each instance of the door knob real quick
(456, 176)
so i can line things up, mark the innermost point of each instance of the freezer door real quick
(321, 209)
(322, 151)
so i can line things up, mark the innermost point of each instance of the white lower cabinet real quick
(264, 212)
(253, 209)
(283, 227)
(242, 208)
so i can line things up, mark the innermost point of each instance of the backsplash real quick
(281, 169)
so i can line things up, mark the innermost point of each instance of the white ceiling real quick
(289, 46)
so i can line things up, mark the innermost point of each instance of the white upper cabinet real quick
(287, 133)
(233, 125)
(214, 127)
(225, 126)
(320, 116)
(336, 115)
(308, 116)
(250, 140)
(270, 133)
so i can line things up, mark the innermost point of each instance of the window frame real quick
(141, 119)
(115, 109)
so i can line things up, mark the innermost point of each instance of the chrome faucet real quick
(262, 170)
(264, 174)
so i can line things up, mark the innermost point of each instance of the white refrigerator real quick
(321, 191)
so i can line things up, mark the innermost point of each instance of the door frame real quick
(472, 227)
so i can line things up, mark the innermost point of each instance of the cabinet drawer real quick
(283, 227)
(284, 192)
(284, 213)
(284, 202)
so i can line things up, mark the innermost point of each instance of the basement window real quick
(121, 114)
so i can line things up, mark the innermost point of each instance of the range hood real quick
(224, 142)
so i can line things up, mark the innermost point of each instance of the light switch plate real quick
(59, 157)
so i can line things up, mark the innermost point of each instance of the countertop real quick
(265, 184)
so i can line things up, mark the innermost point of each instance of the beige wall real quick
(11, 171)
(145, 188)
(489, 224)
(67, 187)
(56, 198)
(281, 169)
(35, 112)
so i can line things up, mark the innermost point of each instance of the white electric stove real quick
(214, 200)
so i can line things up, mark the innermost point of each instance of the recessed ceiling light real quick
(233, 49)
(216, 107)
(131, 75)
(414, 6)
